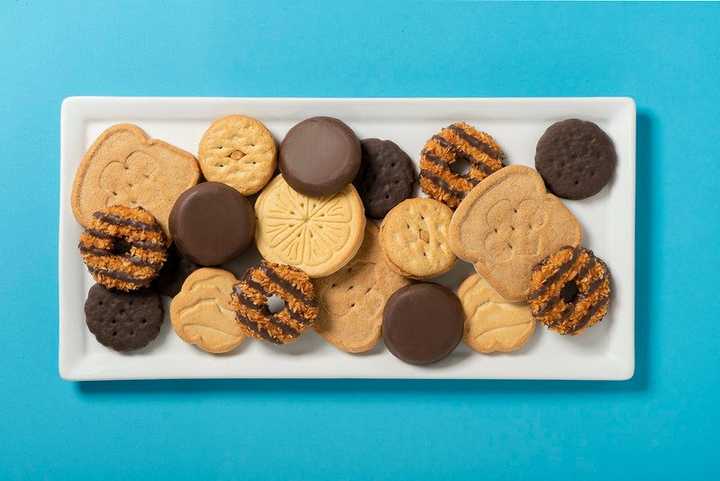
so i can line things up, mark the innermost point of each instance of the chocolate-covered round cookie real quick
(576, 158)
(386, 176)
(422, 323)
(174, 272)
(212, 223)
(123, 321)
(319, 156)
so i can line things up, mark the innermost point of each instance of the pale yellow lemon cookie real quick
(492, 323)
(318, 235)
(201, 314)
(352, 300)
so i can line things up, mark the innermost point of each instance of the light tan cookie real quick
(316, 234)
(507, 224)
(352, 300)
(492, 323)
(413, 237)
(124, 166)
(201, 313)
(238, 151)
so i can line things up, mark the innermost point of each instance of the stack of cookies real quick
(347, 250)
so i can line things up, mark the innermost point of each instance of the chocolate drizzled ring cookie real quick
(123, 248)
(259, 283)
(570, 290)
(459, 142)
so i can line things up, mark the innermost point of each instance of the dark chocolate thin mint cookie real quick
(576, 158)
(123, 321)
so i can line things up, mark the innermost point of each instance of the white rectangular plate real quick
(604, 352)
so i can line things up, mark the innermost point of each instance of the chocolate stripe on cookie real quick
(263, 309)
(255, 327)
(121, 276)
(148, 245)
(284, 284)
(121, 221)
(138, 261)
(441, 184)
(461, 154)
(487, 149)
(583, 321)
(554, 276)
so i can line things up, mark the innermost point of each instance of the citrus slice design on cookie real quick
(316, 234)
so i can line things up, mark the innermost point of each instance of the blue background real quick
(661, 424)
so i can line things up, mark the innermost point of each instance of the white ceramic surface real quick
(606, 351)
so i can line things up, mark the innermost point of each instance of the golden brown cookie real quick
(352, 300)
(507, 224)
(458, 142)
(238, 151)
(413, 237)
(492, 323)
(201, 313)
(570, 290)
(316, 234)
(123, 248)
(250, 301)
(126, 167)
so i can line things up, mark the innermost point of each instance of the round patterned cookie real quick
(238, 151)
(250, 300)
(123, 248)
(123, 321)
(492, 323)
(316, 234)
(352, 300)
(457, 143)
(570, 290)
(576, 158)
(413, 237)
(386, 176)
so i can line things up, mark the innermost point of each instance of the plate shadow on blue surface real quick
(319, 388)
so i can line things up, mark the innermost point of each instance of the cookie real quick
(212, 223)
(422, 323)
(174, 272)
(386, 177)
(123, 247)
(123, 321)
(351, 301)
(126, 167)
(492, 323)
(576, 158)
(319, 156)
(413, 237)
(507, 224)
(570, 290)
(443, 152)
(250, 300)
(201, 313)
(316, 234)
(238, 151)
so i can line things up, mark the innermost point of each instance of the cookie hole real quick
(396, 181)
(352, 305)
(100, 303)
(302, 205)
(576, 182)
(392, 164)
(569, 292)
(350, 288)
(368, 290)
(144, 321)
(254, 162)
(509, 245)
(349, 269)
(129, 184)
(460, 167)
(120, 247)
(121, 311)
(275, 304)
(221, 165)
(114, 193)
(292, 212)
(333, 285)
(512, 227)
(592, 173)
(114, 321)
(132, 333)
(495, 229)
(408, 226)
(114, 333)
(515, 211)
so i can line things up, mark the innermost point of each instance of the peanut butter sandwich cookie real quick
(238, 151)
(352, 300)
(123, 248)
(507, 224)
(458, 143)
(413, 237)
(570, 290)
(126, 167)
(250, 301)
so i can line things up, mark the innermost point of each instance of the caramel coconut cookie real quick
(123, 247)
(459, 142)
(250, 297)
(570, 290)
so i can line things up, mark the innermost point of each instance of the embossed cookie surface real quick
(201, 313)
(414, 239)
(238, 151)
(507, 224)
(351, 301)
(316, 234)
(125, 166)
(492, 323)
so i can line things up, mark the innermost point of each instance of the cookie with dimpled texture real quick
(238, 151)
(351, 301)
(414, 239)
(507, 224)
(124, 166)
(492, 323)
